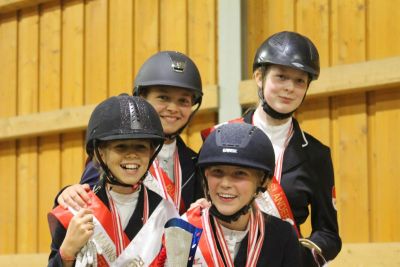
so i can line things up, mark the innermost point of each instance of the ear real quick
(102, 152)
(266, 182)
(257, 75)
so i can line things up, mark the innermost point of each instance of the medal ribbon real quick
(171, 191)
(255, 239)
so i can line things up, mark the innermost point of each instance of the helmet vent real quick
(233, 139)
(280, 42)
(130, 114)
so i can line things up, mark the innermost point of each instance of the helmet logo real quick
(229, 150)
(178, 66)
(178, 62)
(299, 65)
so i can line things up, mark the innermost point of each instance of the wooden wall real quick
(62, 54)
(59, 54)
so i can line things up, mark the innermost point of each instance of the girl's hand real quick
(79, 231)
(75, 196)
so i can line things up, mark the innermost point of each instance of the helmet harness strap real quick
(111, 179)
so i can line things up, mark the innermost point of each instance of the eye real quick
(301, 81)
(163, 97)
(281, 77)
(185, 102)
(216, 173)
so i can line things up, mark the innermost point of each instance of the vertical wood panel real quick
(96, 51)
(121, 47)
(312, 20)
(202, 41)
(383, 41)
(350, 123)
(27, 176)
(173, 25)
(385, 148)
(383, 28)
(49, 99)
(350, 159)
(146, 42)
(8, 107)
(72, 87)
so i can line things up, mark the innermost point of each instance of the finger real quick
(82, 191)
(77, 199)
(61, 202)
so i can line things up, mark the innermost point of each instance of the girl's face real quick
(127, 159)
(173, 105)
(231, 187)
(284, 87)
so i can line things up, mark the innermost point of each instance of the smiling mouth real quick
(130, 167)
(226, 196)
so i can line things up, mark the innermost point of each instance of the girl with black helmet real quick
(237, 161)
(284, 66)
(123, 138)
(171, 83)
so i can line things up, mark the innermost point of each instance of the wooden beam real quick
(70, 119)
(13, 5)
(342, 79)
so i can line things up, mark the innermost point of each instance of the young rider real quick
(124, 222)
(237, 162)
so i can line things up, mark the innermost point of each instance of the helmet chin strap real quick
(110, 178)
(270, 111)
(231, 218)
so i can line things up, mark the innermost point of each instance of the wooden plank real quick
(49, 99)
(146, 29)
(202, 36)
(383, 117)
(96, 51)
(342, 79)
(173, 25)
(350, 123)
(120, 68)
(8, 107)
(70, 119)
(368, 255)
(312, 20)
(72, 152)
(13, 5)
(382, 26)
(46, 123)
(384, 161)
(27, 160)
(23, 260)
(202, 48)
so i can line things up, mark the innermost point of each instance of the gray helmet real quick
(289, 49)
(123, 117)
(169, 68)
(239, 144)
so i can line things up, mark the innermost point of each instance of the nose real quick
(131, 153)
(172, 106)
(289, 85)
(225, 182)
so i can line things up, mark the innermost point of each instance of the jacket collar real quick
(295, 152)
